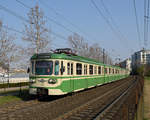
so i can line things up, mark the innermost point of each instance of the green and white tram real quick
(62, 72)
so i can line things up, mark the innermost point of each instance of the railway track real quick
(99, 106)
(71, 107)
(111, 109)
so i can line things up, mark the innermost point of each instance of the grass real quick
(15, 96)
(147, 78)
(6, 99)
(12, 91)
(6, 85)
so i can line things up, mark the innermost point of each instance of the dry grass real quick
(147, 99)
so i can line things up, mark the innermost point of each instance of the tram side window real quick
(95, 70)
(109, 70)
(68, 68)
(105, 70)
(71, 68)
(99, 70)
(62, 68)
(56, 67)
(102, 70)
(85, 69)
(79, 69)
(91, 69)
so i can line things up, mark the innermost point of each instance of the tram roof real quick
(69, 57)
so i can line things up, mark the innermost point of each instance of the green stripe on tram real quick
(33, 77)
(77, 84)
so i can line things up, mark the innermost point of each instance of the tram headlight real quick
(32, 81)
(52, 81)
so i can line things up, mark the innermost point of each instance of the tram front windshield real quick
(44, 67)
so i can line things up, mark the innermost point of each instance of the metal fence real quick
(4, 80)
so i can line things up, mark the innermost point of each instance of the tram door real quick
(72, 77)
(70, 73)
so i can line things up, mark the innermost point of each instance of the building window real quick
(68, 68)
(85, 69)
(71, 68)
(79, 69)
(99, 70)
(91, 69)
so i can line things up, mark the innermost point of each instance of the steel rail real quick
(74, 111)
(109, 106)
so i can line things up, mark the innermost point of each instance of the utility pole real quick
(103, 56)
(8, 72)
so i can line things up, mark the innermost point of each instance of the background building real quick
(3, 69)
(126, 64)
(141, 57)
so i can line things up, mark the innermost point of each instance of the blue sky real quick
(83, 14)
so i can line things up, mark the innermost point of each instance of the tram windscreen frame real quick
(43, 67)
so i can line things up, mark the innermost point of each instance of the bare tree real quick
(82, 48)
(36, 34)
(7, 46)
(78, 45)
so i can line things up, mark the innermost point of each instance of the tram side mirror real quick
(28, 70)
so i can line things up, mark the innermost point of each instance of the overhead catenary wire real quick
(108, 23)
(146, 21)
(51, 19)
(15, 30)
(12, 29)
(13, 13)
(113, 21)
(137, 23)
(25, 20)
(64, 18)
(147, 26)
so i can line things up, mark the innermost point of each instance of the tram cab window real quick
(99, 70)
(79, 69)
(56, 67)
(71, 68)
(32, 67)
(91, 69)
(85, 69)
(44, 67)
(68, 68)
